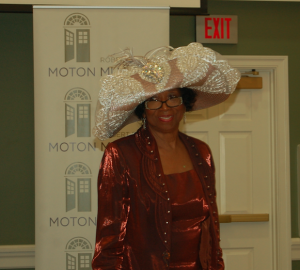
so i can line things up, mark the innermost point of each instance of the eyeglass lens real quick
(157, 104)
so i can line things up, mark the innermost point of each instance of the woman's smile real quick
(166, 118)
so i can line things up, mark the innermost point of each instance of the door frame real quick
(280, 215)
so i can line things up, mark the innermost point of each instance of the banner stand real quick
(71, 52)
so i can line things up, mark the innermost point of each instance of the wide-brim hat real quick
(135, 79)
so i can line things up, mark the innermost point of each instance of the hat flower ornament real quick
(135, 79)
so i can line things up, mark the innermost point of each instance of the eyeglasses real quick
(157, 104)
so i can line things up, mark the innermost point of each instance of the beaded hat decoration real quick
(135, 79)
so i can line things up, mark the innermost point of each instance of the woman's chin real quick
(165, 127)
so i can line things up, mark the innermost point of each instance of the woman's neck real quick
(166, 140)
(174, 156)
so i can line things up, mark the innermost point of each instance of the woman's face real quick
(165, 119)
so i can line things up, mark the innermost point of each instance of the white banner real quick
(71, 48)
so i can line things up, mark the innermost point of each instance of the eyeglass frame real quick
(162, 102)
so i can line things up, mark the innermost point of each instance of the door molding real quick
(280, 216)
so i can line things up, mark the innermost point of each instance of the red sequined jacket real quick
(134, 218)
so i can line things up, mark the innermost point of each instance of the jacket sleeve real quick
(113, 210)
(215, 227)
(210, 252)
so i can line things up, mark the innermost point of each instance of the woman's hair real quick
(188, 98)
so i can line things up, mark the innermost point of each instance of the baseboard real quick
(17, 256)
(24, 256)
(295, 246)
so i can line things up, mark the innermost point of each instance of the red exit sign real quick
(217, 29)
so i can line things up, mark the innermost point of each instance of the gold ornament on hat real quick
(153, 72)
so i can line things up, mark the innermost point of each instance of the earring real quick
(184, 118)
(144, 122)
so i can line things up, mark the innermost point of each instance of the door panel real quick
(70, 194)
(84, 194)
(84, 261)
(239, 258)
(69, 45)
(70, 262)
(69, 120)
(83, 120)
(83, 45)
(236, 172)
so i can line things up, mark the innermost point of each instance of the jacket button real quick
(165, 233)
(148, 138)
(166, 241)
(214, 212)
(166, 191)
(169, 212)
(163, 184)
(149, 142)
(210, 195)
(168, 199)
(208, 187)
(211, 202)
(159, 175)
(151, 151)
(197, 154)
(216, 221)
(193, 145)
(156, 159)
(167, 222)
(205, 176)
(200, 163)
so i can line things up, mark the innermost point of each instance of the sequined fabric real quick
(136, 79)
(134, 225)
(189, 210)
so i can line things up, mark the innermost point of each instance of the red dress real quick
(134, 227)
(189, 209)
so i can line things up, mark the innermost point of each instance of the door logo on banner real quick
(78, 112)
(79, 254)
(78, 187)
(77, 38)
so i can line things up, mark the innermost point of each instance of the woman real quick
(157, 201)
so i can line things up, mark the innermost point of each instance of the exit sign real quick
(217, 29)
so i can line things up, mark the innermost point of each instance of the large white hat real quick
(136, 79)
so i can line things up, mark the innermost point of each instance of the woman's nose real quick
(164, 106)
